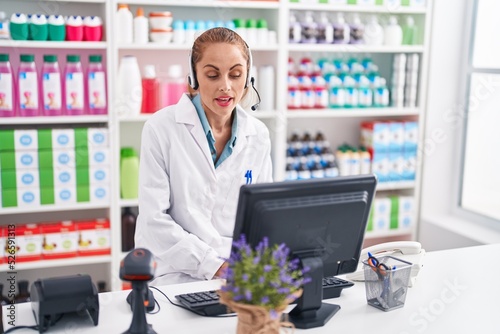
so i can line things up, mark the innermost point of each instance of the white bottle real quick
(341, 30)
(374, 33)
(266, 87)
(124, 25)
(4, 26)
(393, 34)
(141, 27)
(325, 30)
(129, 87)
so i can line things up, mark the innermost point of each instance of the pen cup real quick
(386, 289)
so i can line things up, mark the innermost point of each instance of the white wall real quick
(439, 227)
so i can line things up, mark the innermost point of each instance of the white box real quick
(99, 156)
(98, 137)
(381, 214)
(380, 166)
(63, 139)
(26, 159)
(64, 158)
(99, 193)
(64, 177)
(396, 136)
(406, 221)
(406, 205)
(26, 140)
(410, 136)
(396, 166)
(28, 197)
(409, 165)
(65, 195)
(99, 175)
(27, 178)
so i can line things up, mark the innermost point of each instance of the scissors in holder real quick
(384, 274)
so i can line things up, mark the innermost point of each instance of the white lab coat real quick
(187, 208)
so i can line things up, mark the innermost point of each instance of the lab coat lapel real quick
(186, 114)
(245, 129)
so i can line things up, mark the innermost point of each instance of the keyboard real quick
(207, 302)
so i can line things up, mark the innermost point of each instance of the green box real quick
(7, 140)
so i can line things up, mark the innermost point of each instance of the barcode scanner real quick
(139, 268)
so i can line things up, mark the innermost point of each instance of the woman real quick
(195, 155)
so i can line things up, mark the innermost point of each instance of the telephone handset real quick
(410, 251)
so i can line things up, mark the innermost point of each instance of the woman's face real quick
(221, 74)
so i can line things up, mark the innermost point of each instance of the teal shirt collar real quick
(228, 149)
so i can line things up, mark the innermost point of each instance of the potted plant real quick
(260, 284)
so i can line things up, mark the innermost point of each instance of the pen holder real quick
(386, 289)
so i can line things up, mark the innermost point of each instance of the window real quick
(480, 191)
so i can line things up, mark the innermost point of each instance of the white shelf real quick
(358, 9)
(144, 117)
(71, 261)
(353, 112)
(53, 45)
(52, 208)
(355, 48)
(401, 185)
(387, 234)
(206, 3)
(54, 120)
(129, 202)
(179, 47)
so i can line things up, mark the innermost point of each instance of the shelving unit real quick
(337, 124)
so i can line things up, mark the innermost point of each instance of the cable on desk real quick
(34, 327)
(191, 310)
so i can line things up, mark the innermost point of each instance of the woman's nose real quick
(225, 85)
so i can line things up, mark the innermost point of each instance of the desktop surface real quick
(456, 292)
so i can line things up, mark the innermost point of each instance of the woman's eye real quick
(212, 76)
(235, 76)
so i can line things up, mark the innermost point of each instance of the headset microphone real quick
(255, 106)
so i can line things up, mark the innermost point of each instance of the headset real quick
(193, 82)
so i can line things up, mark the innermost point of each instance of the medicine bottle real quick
(128, 229)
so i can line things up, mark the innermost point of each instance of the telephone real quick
(410, 251)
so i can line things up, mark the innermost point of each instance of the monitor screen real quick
(322, 219)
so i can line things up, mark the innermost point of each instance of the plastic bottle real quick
(74, 28)
(351, 91)
(173, 87)
(341, 30)
(262, 32)
(393, 34)
(325, 30)
(381, 94)
(18, 27)
(124, 25)
(96, 87)
(4, 26)
(240, 28)
(27, 93)
(101, 287)
(309, 29)
(141, 27)
(150, 91)
(190, 28)
(128, 229)
(357, 30)
(73, 86)
(57, 28)
(251, 32)
(51, 89)
(365, 92)
(337, 93)
(7, 88)
(179, 32)
(129, 87)
(266, 87)
(365, 161)
(410, 32)
(129, 173)
(294, 30)
(374, 33)
(23, 294)
(38, 27)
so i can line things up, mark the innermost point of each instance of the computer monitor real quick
(322, 221)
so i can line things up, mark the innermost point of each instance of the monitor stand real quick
(310, 311)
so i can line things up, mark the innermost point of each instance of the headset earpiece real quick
(193, 82)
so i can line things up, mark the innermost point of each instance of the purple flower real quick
(237, 298)
(244, 277)
(268, 268)
(248, 295)
(264, 300)
(273, 314)
(262, 279)
(283, 290)
(256, 260)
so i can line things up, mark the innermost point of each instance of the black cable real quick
(158, 310)
(191, 310)
(34, 327)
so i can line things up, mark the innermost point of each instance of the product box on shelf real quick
(409, 165)
(98, 156)
(98, 137)
(396, 136)
(25, 140)
(380, 165)
(21, 197)
(402, 212)
(99, 193)
(410, 136)
(28, 243)
(60, 240)
(375, 135)
(381, 214)
(94, 237)
(396, 166)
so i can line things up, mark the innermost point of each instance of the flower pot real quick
(255, 319)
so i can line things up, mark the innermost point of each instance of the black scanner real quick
(53, 297)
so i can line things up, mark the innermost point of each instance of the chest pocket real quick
(245, 176)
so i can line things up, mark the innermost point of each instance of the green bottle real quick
(410, 32)
(129, 173)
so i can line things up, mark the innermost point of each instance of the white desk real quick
(457, 291)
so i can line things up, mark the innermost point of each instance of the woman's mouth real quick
(224, 101)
